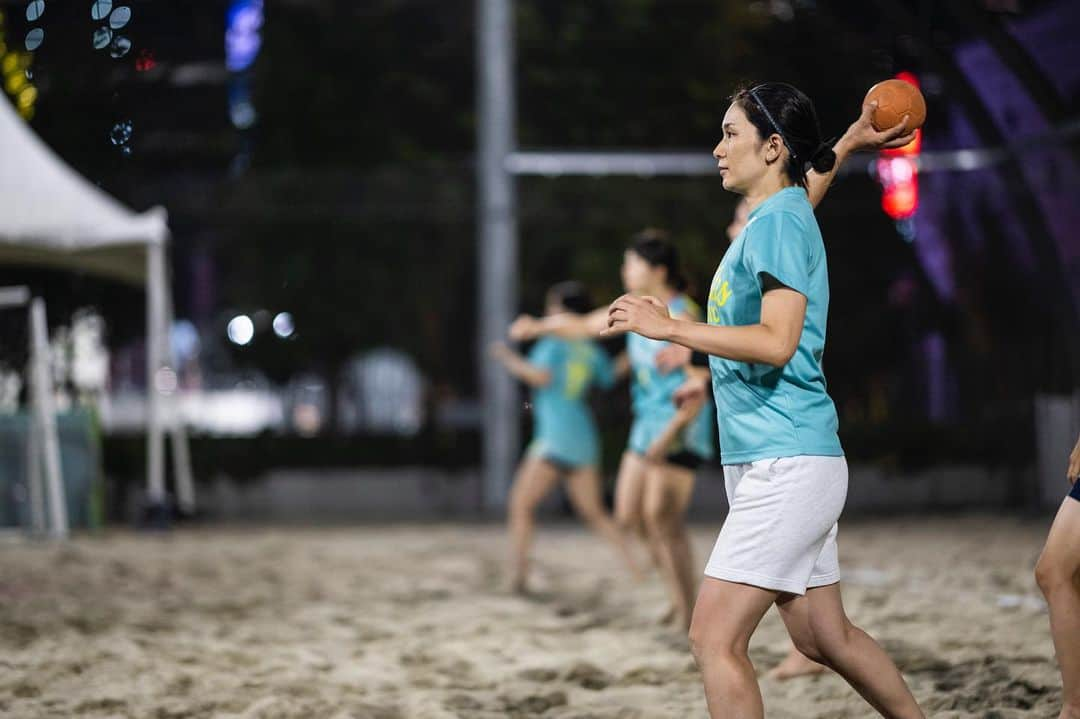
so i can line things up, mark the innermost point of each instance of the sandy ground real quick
(396, 622)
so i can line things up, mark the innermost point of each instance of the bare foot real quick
(795, 664)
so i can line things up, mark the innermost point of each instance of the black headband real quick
(768, 116)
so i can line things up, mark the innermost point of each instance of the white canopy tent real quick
(52, 216)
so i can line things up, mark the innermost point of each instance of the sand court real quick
(412, 621)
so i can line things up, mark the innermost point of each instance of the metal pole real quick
(46, 420)
(498, 240)
(155, 312)
(185, 486)
(33, 463)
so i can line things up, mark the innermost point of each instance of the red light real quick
(901, 200)
(898, 172)
(145, 61)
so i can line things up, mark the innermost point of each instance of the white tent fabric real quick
(52, 216)
(50, 212)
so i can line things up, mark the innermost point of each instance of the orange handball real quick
(896, 98)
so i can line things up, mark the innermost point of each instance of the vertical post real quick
(33, 462)
(45, 415)
(185, 485)
(155, 314)
(498, 240)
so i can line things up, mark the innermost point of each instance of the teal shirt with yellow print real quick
(652, 394)
(563, 426)
(764, 411)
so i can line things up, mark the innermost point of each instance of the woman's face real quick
(637, 274)
(742, 156)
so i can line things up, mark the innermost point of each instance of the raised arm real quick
(860, 137)
(567, 325)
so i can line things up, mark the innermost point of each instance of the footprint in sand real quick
(589, 676)
(539, 674)
(986, 685)
(647, 676)
(533, 703)
(911, 658)
(102, 706)
(463, 704)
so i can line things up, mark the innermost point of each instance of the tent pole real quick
(155, 308)
(185, 486)
(45, 412)
(33, 461)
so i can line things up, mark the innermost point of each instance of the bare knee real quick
(715, 655)
(628, 521)
(657, 522)
(520, 506)
(808, 647)
(700, 645)
(832, 647)
(707, 644)
(1051, 575)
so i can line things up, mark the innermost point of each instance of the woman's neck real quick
(766, 188)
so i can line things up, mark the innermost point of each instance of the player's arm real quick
(674, 356)
(622, 366)
(686, 413)
(567, 325)
(772, 341)
(519, 367)
(860, 137)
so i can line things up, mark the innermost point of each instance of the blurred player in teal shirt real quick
(565, 440)
(667, 442)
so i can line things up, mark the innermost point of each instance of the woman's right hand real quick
(862, 136)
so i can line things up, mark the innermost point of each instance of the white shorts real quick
(780, 532)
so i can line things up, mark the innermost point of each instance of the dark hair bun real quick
(572, 295)
(824, 159)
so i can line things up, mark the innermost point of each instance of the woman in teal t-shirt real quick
(565, 441)
(667, 442)
(784, 469)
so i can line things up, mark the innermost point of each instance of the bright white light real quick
(283, 325)
(902, 169)
(241, 330)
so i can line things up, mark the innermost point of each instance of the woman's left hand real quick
(647, 316)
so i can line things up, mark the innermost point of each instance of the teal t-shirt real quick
(764, 411)
(563, 427)
(652, 393)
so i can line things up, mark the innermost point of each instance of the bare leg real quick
(1058, 575)
(667, 494)
(821, 631)
(583, 486)
(534, 479)
(795, 664)
(725, 616)
(629, 496)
